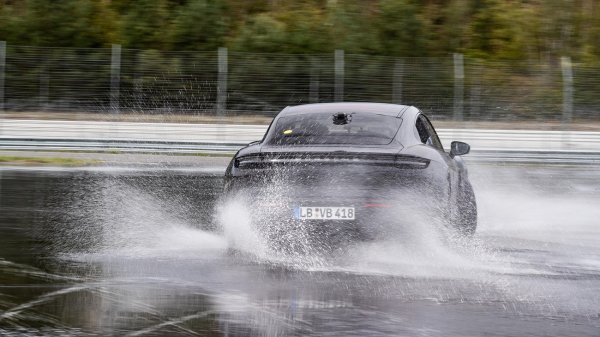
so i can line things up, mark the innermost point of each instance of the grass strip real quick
(46, 161)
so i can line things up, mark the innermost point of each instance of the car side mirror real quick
(459, 149)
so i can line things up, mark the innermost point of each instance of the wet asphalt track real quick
(133, 252)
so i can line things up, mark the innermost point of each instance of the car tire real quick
(466, 217)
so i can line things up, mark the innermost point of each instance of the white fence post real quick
(475, 89)
(2, 69)
(567, 77)
(313, 94)
(339, 75)
(222, 82)
(115, 77)
(459, 83)
(44, 93)
(397, 84)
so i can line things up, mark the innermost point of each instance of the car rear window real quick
(323, 129)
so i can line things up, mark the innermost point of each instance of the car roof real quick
(394, 110)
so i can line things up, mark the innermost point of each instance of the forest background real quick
(488, 29)
(517, 59)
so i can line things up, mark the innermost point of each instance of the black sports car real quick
(351, 167)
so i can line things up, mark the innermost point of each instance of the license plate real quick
(324, 213)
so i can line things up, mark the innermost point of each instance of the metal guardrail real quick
(492, 156)
(488, 139)
(487, 145)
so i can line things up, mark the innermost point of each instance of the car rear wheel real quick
(466, 216)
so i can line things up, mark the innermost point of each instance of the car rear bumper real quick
(372, 218)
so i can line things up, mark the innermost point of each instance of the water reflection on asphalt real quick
(139, 253)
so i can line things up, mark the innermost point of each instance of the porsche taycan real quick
(352, 168)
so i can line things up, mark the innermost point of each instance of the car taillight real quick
(266, 160)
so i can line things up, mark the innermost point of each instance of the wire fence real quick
(233, 83)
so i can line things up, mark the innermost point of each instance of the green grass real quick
(175, 154)
(54, 161)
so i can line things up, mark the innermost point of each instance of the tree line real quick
(487, 29)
